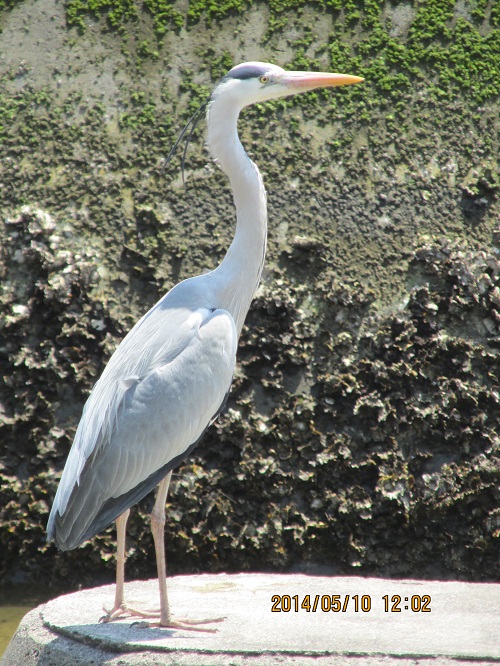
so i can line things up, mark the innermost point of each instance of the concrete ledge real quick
(463, 624)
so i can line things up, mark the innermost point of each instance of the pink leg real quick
(121, 532)
(120, 609)
(158, 530)
(119, 605)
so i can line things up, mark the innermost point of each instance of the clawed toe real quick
(209, 621)
(113, 614)
(189, 625)
(124, 611)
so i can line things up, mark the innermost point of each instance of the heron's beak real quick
(302, 81)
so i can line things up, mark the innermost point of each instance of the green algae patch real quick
(116, 12)
(445, 44)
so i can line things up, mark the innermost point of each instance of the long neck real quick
(239, 273)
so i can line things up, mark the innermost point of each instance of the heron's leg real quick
(121, 531)
(158, 530)
(120, 609)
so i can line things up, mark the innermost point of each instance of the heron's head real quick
(253, 82)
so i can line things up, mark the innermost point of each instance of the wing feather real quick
(149, 407)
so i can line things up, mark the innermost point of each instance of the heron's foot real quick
(114, 614)
(123, 611)
(187, 625)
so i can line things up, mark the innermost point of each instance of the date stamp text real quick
(338, 603)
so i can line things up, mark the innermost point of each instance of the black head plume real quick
(189, 127)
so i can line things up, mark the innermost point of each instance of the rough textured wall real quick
(362, 430)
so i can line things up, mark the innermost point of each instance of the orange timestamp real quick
(337, 603)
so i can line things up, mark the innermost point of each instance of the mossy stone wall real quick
(361, 434)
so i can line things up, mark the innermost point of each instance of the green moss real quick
(164, 15)
(220, 65)
(142, 111)
(8, 4)
(145, 50)
(452, 55)
(116, 11)
(495, 14)
(478, 9)
(198, 93)
(212, 9)
(26, 104)
(432, 20)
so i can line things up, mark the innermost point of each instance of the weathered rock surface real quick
(449, 621)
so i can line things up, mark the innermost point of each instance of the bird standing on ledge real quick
(170, 376)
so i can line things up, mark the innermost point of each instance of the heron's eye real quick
(264, 79)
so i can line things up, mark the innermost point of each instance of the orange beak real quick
(302, 81)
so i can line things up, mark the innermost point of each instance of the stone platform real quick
(304, 629)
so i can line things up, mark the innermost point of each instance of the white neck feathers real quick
(241, 268)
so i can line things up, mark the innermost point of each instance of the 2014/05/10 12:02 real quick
(284, 603)
(418, 604)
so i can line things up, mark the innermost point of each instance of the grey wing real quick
(156, 422)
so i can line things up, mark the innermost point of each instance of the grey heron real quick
(169, 377)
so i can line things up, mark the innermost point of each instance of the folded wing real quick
(143, 417)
